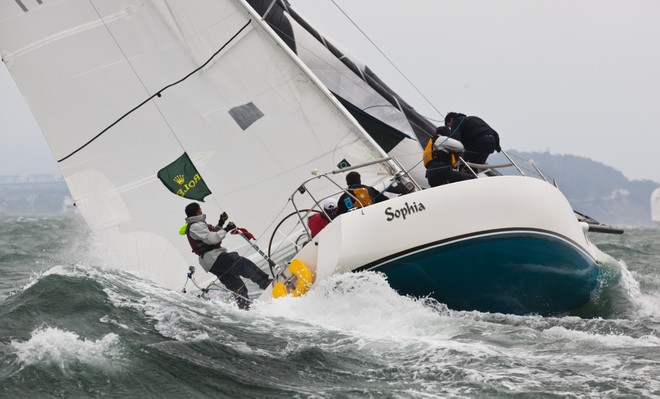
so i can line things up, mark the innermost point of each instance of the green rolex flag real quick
(181, 178)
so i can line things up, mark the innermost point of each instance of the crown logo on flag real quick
(181, 178)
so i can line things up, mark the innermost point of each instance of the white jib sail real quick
(252, 120)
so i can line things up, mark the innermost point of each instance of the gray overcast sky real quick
(569, 76)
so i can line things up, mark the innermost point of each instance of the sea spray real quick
(49, 345)
(85, 329)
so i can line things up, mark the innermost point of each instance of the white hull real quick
(411, 234)
(451, 211)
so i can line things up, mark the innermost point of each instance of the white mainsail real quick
(253, 119)
(655, 205)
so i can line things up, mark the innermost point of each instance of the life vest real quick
(362, 194)
(199, 247)
(431, 153)
(362, 198)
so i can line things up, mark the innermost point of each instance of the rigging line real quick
(392, 106)
(387, 58)
(158, 93)
(260, 234)
(320, 59)
(217, 203)
(270, 7)
(257, 238)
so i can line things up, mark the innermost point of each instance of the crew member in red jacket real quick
(318, 221)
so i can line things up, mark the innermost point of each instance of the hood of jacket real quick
(196, 219)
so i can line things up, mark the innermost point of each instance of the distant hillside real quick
(34, 195)
(592, 188)
(596, 189)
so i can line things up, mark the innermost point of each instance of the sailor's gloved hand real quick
(230, 226)
(223, 218)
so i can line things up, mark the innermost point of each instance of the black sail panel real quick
(422, 128)
(385, 135)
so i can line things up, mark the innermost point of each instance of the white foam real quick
(578, 339)
(629, 283)
(617, 272)
(54, 346)
(108, 320)
(183, 317)
(650, 306)
(600, 256)
(361, 303)
(646, 305)
(60, 270)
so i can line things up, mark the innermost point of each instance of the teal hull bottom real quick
(513, 272)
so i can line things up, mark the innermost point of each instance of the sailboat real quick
(655, 205)
(148, 105)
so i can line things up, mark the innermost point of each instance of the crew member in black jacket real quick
(440, 156)
(479, 139)
(365, 195)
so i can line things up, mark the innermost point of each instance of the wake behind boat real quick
(151, 104)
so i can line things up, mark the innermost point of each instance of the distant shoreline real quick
(35, 195)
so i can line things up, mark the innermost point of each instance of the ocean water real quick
(71, 326)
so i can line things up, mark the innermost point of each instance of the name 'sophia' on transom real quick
(404, 211)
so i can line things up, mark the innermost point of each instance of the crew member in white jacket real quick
(205, 241)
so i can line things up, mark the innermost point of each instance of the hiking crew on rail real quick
(205, 241)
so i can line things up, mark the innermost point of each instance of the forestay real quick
(253, 120)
